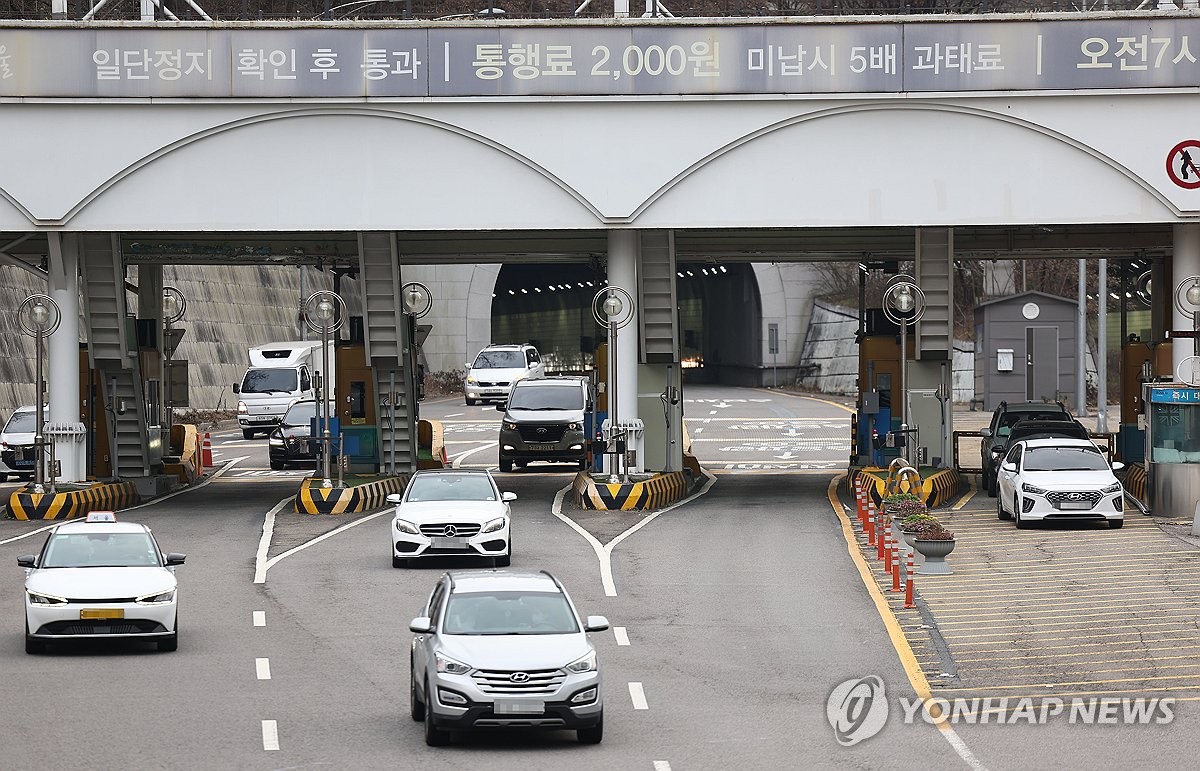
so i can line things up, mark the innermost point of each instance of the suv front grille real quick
(493, 383)
(542, 432)
(463, 529)
(499, 682)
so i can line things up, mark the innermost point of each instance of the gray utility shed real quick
(1025, 349)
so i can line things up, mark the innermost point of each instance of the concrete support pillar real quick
(149, 307)
(1185, 262)
(63, 425)
(623, 354)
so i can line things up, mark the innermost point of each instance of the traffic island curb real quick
(659, 491)
(366, 495)
(70, 504)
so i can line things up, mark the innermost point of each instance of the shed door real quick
(1041, 363)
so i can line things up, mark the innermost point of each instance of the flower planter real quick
(935, 556)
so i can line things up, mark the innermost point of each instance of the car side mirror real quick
(174, 558)
(27, 561)
(595, 624)
(985, 432)
(421, 625)
(237, 388)
(1009, 466)
(507, 497)
(467, 365)
(1117, 465)
(393, 498)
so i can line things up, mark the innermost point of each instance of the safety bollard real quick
(896, 565)
(869, 523)
(908, 583)
(859, 497)
(880, 529)
(887, 552)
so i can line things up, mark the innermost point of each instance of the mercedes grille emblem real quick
(451, 531)
(519, 677)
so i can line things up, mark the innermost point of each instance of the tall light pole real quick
(613, 307)
(174, 304)
(1187, 301)
(324, 312)
(39, 316)
(904, 304)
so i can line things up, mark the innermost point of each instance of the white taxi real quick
(98, 578)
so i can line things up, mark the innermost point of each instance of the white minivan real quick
(491, 375)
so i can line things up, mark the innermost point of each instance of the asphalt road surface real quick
(734, 616)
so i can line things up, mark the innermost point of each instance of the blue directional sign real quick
(1175, 395)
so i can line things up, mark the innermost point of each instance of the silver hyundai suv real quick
(504, 648)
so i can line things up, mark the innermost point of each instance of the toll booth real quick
(879, 418)
(1141, 363)
(1172, 448)
(356, 422)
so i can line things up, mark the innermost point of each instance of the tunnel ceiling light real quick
(524, 291)
(723, 269)
(537, 289)
(511, 292)
(551, 288)
(589, 283)
(691, 274)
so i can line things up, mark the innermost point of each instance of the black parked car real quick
(1035, 428)
(995, 436)
(290, 442)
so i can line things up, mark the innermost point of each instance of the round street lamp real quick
(416, 299)
(613, 308)
(903, 304)
(323, 311)
(1187, 302)
(39, 316)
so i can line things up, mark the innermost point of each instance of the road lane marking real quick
(621, 635)
(638, 695)
(456, 414)
(458, 459)
(271, 562)
(908, 660)
(31, 532)
(698, 430)
(262, 668)
(270, 734)
(229, 464)
(260, 618)
(264, 542)
(662, 765)
(604, 551)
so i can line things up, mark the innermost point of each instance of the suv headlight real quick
(450, 666)
(1028, 488)
(156, 599)
(407, 527)
(36, 598)
(1115, 487)
(573, 427)
(493, 525)
(585, 664)
(509, 425)
(242, 408)
(471, 381)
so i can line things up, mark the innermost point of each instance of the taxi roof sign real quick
(101, 516)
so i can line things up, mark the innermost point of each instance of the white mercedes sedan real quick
(451, 512)
(98, 578)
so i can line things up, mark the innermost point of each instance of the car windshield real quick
(496, 613)
(96, 550)
(300, 414)
(265, 381)
(1064, 459)
(499, 360)
(546, 397)
(21, 423)
(450, 487)
(1011, 418)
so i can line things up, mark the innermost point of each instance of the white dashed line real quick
(712, 412)
(698, 430)
(263, 668)
(270, 731)
(260, 618)
(638, 695)
(621, 635)
(662, 765)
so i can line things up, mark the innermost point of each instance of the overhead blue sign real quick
(1175, 395)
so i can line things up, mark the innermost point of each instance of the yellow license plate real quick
(88, 613)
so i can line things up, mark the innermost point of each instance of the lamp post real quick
(174, 304)
(903, 303)
(1187, 302)
(613, 307)
(39, 316)
(324, 312)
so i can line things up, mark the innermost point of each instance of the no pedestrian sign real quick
(1182, 164)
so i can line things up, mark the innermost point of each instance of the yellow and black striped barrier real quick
(70, 504)
(659, 491)
(314, 499)
(937, 489)
(1135, 481)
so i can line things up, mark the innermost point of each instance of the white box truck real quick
(279, 375)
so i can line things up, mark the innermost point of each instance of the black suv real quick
(995, 436)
